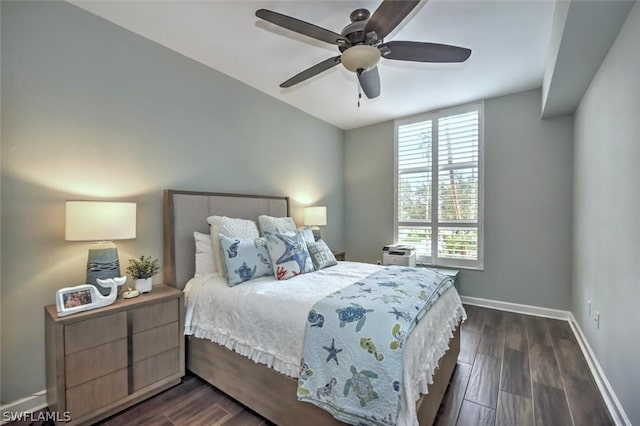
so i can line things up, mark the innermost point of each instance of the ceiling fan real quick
(361, 43)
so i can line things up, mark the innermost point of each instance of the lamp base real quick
(102, 263)
(316, 232)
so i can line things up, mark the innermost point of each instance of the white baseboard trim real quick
(608, 395)
(518, 308)
(32, 403)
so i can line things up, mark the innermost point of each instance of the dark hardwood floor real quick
(512, 370)
(520, 370)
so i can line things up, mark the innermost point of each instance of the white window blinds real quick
(439, 186)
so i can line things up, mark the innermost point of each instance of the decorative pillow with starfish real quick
(289, 254)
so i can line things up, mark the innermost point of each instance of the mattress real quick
(264, 320)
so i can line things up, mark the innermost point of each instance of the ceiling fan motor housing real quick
(354, 32)
(363, 54)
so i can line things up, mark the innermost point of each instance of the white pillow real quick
(276, 224)
(232, 228)
(204, 254)
(214, 225)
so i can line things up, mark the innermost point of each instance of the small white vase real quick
(143, 285)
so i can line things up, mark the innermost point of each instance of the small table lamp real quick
(315, 217)
(101, 222)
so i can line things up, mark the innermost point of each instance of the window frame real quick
(435, 224)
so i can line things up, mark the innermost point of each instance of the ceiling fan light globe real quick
(360, 58)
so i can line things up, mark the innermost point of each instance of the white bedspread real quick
(264, 319)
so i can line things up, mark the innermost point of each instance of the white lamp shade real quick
(315, 216)
(360, 57)
(100, 221)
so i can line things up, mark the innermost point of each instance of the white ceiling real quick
(509, 39)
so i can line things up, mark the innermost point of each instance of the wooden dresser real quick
(101, 361)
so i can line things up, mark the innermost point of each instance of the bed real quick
(262, 389)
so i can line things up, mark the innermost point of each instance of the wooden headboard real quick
(187, 211)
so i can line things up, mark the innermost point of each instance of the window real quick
(439, 169)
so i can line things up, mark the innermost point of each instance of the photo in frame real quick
(75, 298)
(71, 300)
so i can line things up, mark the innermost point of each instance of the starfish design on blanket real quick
(294, 250)
(333, 351)
(399, 314)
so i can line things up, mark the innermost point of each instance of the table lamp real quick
(100, 222)
(315, 217)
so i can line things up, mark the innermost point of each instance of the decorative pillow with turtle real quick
(245, 259)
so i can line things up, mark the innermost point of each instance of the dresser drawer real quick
(80, 367)
(94, 332)
(153, 316)
(155, 341)
(150, 370)
(97, 393)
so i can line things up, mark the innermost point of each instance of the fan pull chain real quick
(359, 91)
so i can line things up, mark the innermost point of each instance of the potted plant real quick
(141, 270)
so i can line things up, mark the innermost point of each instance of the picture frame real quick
(71, 300)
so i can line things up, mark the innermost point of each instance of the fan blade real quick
(310, 72)
(424, 52)
(302, 27)
(370, 83)
(388, 15)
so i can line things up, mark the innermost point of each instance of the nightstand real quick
(101, 361)
(339, 254)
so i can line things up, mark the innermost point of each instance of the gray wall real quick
(93, 111)
(368, 190)
(528, 184)
(607, 208)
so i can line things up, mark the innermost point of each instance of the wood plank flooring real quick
(524, 371)
(512, 370)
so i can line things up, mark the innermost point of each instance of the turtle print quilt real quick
(353, 346)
